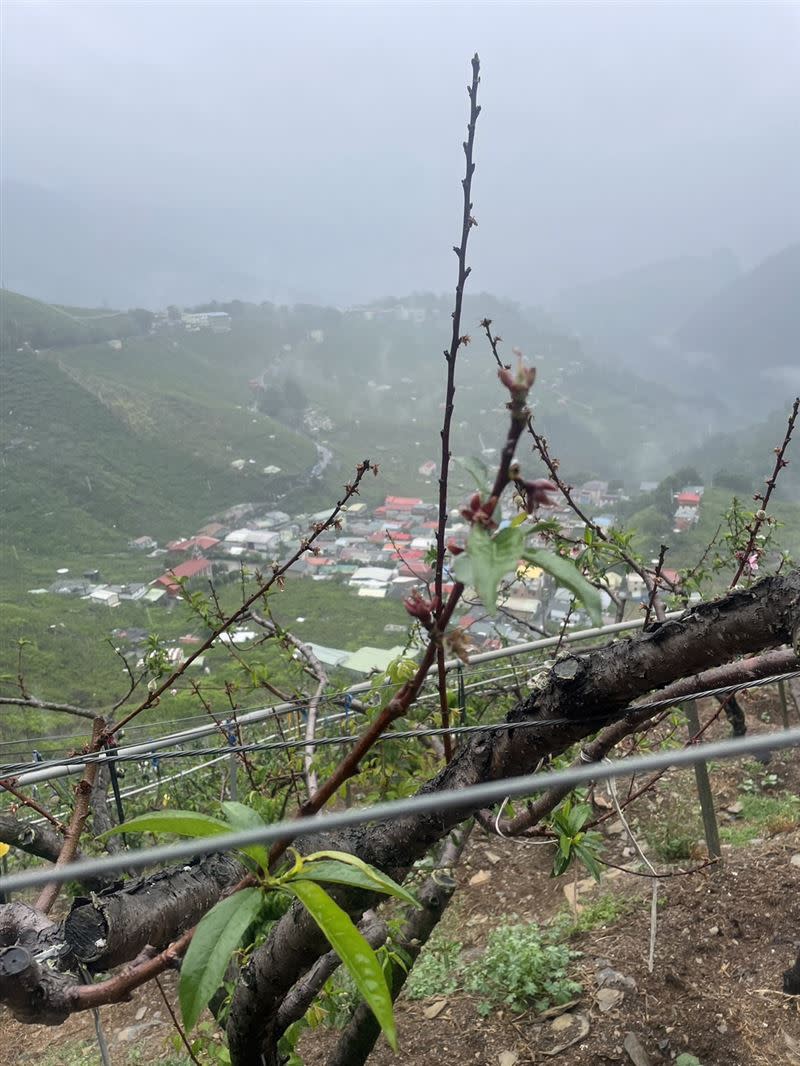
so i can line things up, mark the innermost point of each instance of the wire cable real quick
(460, 801)
(142, 752)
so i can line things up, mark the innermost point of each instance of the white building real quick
(216, 321)
(259, 540)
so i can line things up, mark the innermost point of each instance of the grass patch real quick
(598, 915)
(762, 816)
(522, 966)
(436, 971)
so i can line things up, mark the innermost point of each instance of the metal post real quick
(462, 696)
(704, 793)
(233, 762)
(784, 704)
(112, 773)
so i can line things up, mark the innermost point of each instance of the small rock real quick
(722, 1027)
(141, 1013)
(480, 878)
(734, 808)
(714, 930)
(609, 998)
(795, 859)
(615, 829)
(508, 1058)
(434, 1009)
(553, 1012)
(493, 858)
(133, 1032)
(611, 978)
(636, 1053)
(562, 1033)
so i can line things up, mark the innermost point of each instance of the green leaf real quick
(477, 470)
(560, 863)
(216, 938)
(568, 575)
(241, 817)
(352, 949)
(345, 869)
(589, 860)
(578, 817)
(487, 560)
(181, 823)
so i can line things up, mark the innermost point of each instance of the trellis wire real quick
(141, 752)
(250, 717)
(465, 800)
(152, 744)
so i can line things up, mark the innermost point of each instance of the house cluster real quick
(380, 552)
(687, 507)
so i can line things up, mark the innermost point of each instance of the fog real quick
(174, 152)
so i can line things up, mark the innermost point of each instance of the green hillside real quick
(623, 313)
(100, 446)
(27, 322)
(103, 443)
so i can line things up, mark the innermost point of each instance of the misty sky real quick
(315, 148)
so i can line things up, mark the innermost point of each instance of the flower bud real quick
(538, 492)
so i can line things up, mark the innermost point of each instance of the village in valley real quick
(377, 552)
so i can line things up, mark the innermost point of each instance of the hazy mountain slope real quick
(753, 323)
(625, 312)
(747, 454)
(103, 444)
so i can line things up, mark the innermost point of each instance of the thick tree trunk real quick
(580, 695)
(362, 1031)
(113, 926)
(43, 841)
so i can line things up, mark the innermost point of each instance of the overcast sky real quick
(317, 146)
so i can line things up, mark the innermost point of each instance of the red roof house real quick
(188, 570)
(401, 503)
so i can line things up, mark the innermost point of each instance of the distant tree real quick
(651, 526)
(271, 400)
(734, 481)
(142, 318)
(294, 396)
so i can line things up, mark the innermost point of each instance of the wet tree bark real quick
(111, 927)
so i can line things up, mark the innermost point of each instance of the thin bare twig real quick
(540, 446)
(486, 324)
(26, 801)
(652, 601)
(80, 812)
(278, 572)
(317, 670)
(456, 341)
(177, 1024)
(764, 498)
(49, 705)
